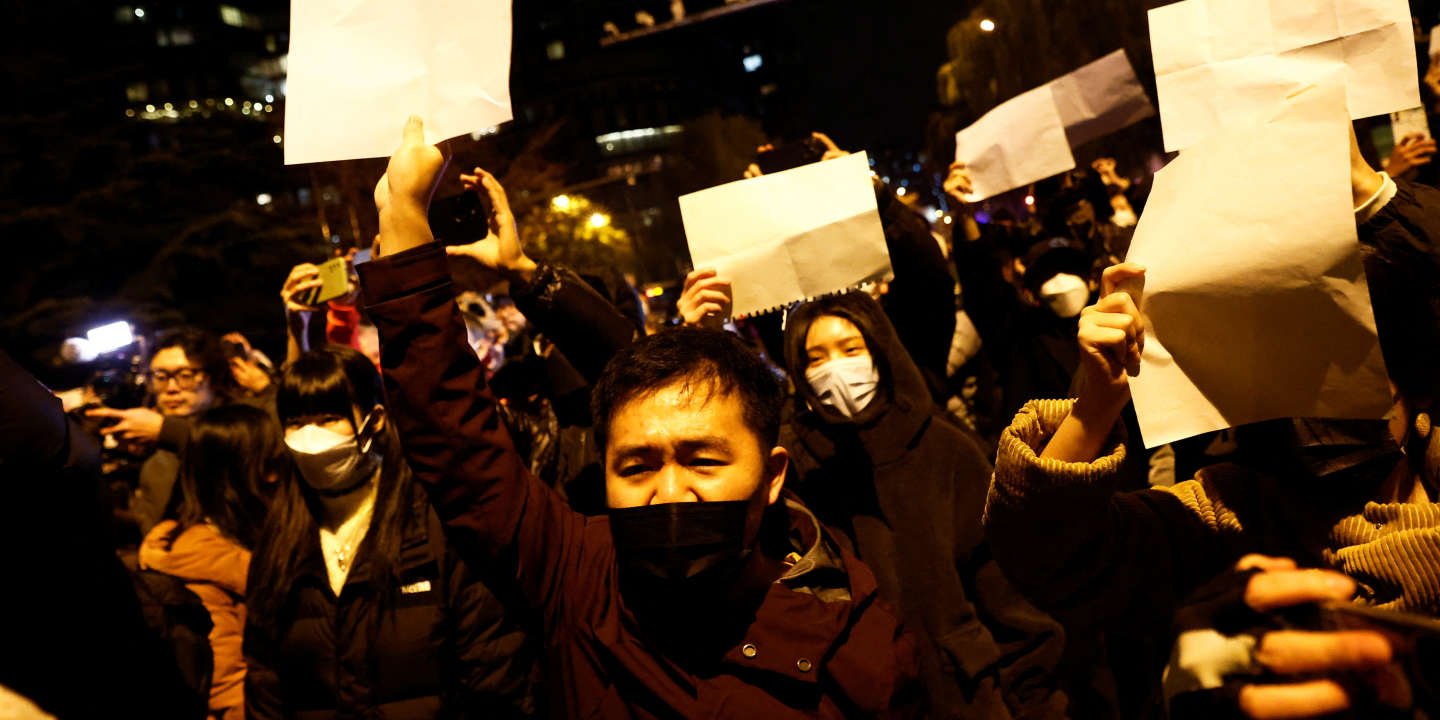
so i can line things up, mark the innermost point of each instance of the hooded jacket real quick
(818, 645)
(907, 490)
(214, 568)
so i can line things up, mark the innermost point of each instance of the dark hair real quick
(695, 357)
(204, 351)
(223, 474)
(333, 380)
(857, 307)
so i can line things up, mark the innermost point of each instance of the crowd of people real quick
(924, 498)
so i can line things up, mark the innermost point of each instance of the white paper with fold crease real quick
(1030, 136)
(358, 68)
(1226, 62)
(790, 236)
(1255, 295)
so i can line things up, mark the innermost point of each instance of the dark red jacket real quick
(820, 644)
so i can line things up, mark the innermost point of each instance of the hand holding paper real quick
(1112, 340)
(403, 193)
(790, 236)
(356, 68)
(1256, 301)
(1029, 137)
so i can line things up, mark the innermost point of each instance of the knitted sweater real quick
(1094, 556)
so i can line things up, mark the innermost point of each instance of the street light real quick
(987, 25)
(561, 202)
(599, 220)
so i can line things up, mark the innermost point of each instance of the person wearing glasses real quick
(189, 373)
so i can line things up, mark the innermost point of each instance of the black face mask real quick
(681, 542)
(1344, 449)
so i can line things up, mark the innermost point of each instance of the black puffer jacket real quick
(444, 649)
(908, 489)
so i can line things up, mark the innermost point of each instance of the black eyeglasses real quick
(187, 378)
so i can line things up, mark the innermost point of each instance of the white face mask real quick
(332, 463)
(1065, 295)
(845, 384)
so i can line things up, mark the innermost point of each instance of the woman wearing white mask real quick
(879, 463)
(357, 605)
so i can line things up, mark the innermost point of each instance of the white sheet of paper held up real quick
(1230, 62)
(791, 236)
(1100, 98)
(1017, 143)
(358, 68)
(1255, 295)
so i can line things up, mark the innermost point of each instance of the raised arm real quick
(584, 325)
(496, 514)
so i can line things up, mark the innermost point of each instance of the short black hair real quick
(694, 356)
(203, 350)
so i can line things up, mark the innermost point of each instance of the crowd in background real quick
(926, 497)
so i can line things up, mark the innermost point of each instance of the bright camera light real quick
(1030, 200)
(139, 12)
(110, 337)
(263, 199)
(987, 25)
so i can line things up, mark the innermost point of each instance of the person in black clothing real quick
(75, 642)
(357, 604)
(880, 463)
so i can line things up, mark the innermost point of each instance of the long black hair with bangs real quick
(334, 380)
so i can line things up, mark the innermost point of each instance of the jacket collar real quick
(415, 551)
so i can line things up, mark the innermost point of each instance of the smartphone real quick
(460, 219)
(234, 349)
(791, 155)
(335, 282)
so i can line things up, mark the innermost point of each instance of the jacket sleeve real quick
(586, 327)
(1085, 553)
(496, 514)
(493, 657)
(921, 300)
(262, 685)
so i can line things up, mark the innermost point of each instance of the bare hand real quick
(754, 171)
(706, 299)
(403, 193)
(1112, 335)
(303, 278)
(1412, 152)
(500, 249)
(249, 375)
(1314, 655)
(1108, 175)
(135, 424)
(958, 183)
